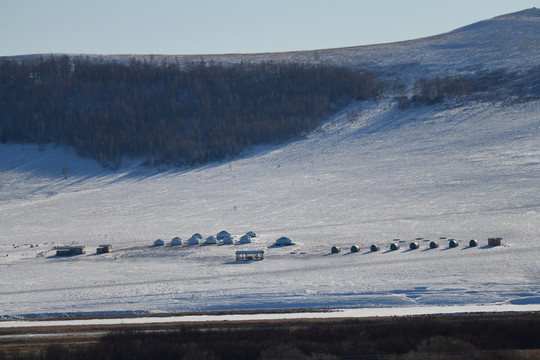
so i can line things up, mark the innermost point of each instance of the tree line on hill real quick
(192, 113)
(494, 85)
(165, 112)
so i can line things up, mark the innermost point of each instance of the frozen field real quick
(463, 172)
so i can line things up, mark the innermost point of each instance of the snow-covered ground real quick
(463, 171)
(326, 314)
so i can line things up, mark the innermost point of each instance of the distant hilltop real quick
(509, 41)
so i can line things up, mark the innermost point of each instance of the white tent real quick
(284, 241)
(251, 234)
(194, 240)
(159, 242)
(176, 241)
(210, 240)
(245, 239)
(222, 234)
(228, 240)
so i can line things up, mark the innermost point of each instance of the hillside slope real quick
(458, 172)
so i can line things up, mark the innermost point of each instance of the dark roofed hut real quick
(104, 249)
(375, 247)
(473, 243)
(355, 248)
(335, 249)
(495, 241)
(414, 245)
(70, 250)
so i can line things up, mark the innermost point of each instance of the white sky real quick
(229, 26)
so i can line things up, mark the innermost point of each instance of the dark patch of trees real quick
(494, 85)
(437, 90)
(487, 336)
(165, 112)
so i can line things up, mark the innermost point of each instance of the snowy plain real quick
(463, 170)
(466, 172)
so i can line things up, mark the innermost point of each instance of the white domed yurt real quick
(284, 241)
(245, 239)
(176, 241)
(194, 240)
(210, 240)
(222, 234)
(228, 240)
(159, 242)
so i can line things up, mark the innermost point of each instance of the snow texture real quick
(455, 171)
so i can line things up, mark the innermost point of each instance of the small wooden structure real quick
(355, 248)
(249, 255)
(104, 249)
(70, 250)
(335, 249)
(495, 241)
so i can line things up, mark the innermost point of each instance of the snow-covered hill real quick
(463, 171)
(466, 172)
(510, 43)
